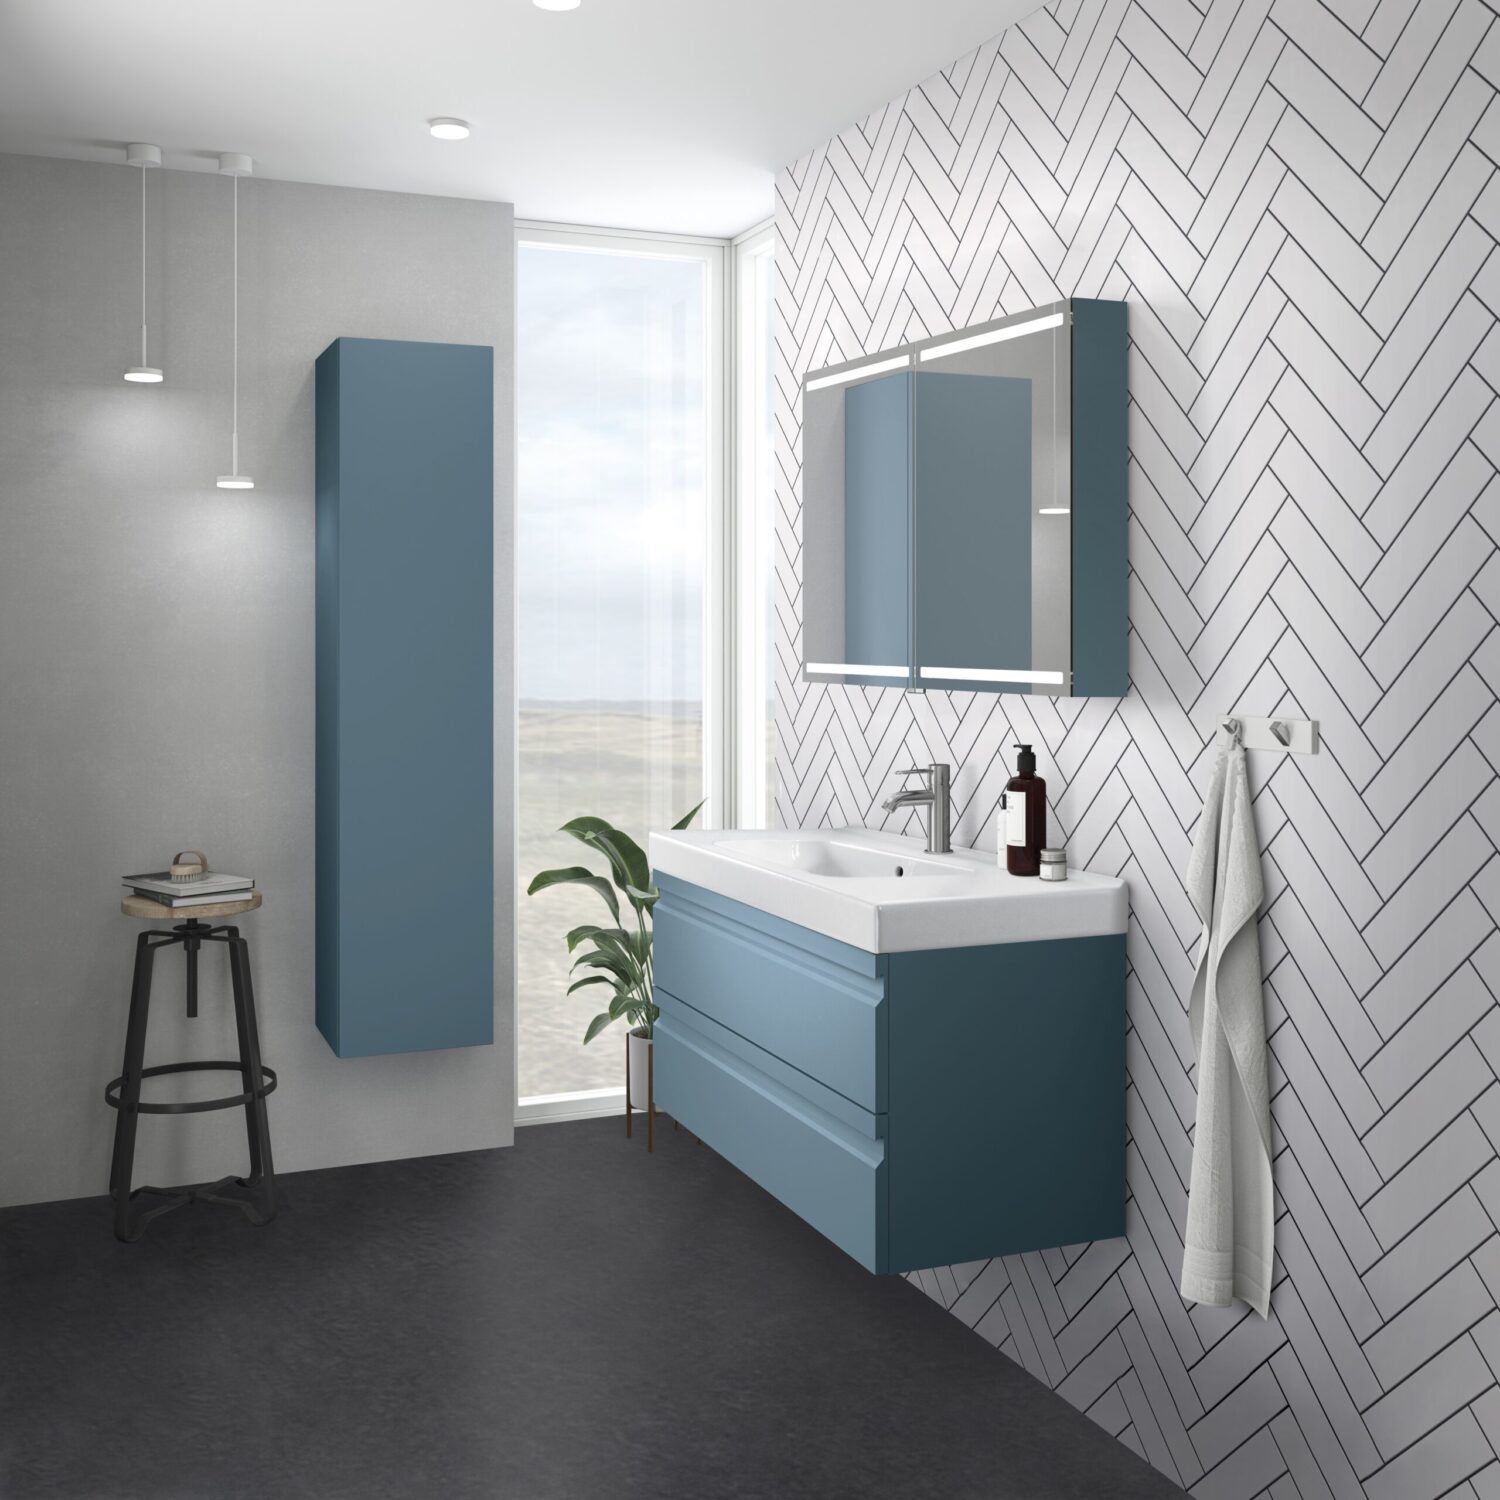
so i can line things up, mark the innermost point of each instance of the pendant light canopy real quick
(235, 165)
(145, 157)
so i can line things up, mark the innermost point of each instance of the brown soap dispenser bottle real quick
(1025, 804)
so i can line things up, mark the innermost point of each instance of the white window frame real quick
(719, 602)
(751, 667)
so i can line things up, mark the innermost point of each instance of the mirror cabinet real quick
(965, 511)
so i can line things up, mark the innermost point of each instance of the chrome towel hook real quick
(1299, 736)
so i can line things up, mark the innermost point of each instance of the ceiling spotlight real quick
(446, 128)
(556, 4)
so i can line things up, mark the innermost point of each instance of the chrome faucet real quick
(934, 796)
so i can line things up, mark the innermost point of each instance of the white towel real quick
(1231, 1209)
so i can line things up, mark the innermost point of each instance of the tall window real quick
(619, 346)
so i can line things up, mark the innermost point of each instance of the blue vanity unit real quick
(923, 1094)
(405, 674)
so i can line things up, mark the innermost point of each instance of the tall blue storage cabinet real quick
(405, 692)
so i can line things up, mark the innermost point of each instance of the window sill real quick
(585, 1104)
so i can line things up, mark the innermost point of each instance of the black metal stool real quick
(257, 1080)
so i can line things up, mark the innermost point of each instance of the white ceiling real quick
(655, 114)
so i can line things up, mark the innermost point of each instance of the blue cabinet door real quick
(1007, 1099)
(1100, 500)
(405, 672)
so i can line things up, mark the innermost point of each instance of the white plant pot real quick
(640, 1069)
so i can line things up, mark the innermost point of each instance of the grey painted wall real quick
(156, 644)
(1301, 204)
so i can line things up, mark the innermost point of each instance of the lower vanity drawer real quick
(824, 1169)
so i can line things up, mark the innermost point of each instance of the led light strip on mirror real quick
(993, 336)
(854, 669)
(983, 674)
(876, 367)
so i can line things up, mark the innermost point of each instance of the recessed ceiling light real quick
(446, 128)
(556, 4)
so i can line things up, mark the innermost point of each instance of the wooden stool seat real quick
(154, 911)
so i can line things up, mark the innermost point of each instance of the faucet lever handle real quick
(914, 771)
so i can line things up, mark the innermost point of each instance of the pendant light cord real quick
(234, 467)
(144, 360)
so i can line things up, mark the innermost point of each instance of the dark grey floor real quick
(569, 1319)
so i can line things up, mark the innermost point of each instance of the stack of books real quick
(159, 886)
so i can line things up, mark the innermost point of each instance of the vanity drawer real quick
(823, 1170)
(816, 1004)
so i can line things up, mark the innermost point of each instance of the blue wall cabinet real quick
(405, 689)
(965, 509)
(919, 1109)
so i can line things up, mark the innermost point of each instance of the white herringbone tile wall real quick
(1301, 204)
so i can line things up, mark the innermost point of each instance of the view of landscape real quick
(613, 441)
(587, 758)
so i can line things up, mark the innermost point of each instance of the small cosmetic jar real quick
(1054, 864)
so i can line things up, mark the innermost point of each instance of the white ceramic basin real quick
(837, 858)
(887, 894)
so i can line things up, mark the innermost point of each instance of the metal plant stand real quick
(651, 1111)
(258, 1202)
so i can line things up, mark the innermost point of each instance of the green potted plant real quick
(617, 957)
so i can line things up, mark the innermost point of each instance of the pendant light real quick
(234, 165)
(145, 157)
